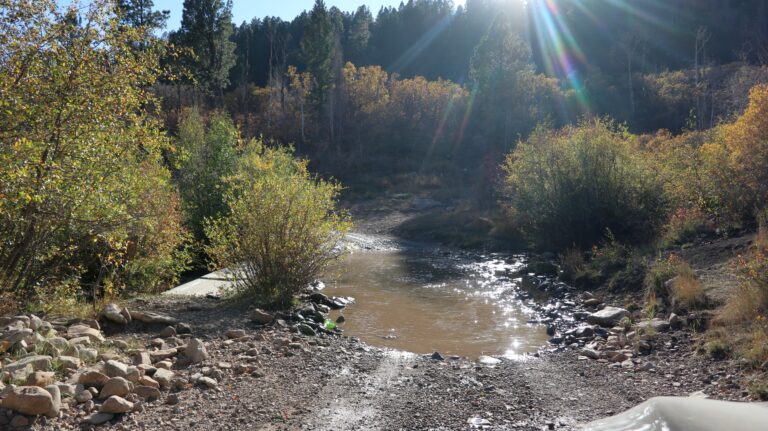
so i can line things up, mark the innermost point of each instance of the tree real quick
(317, 49)
(359, 34)
(84, 194)
(206, 28)
(141, 14)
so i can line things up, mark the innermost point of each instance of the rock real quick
(140, 357)
(195, 351)
(235, 333)
(172, 399)
(436, 356)
(608, 316)
(159, 355)
(41, 378)
(77, 331)
(592, 302)
(340, 319)
(584, 332)
(151, 318)
(19, 421)
(92, 378)
(55, 393)
(163, 377)
(116, 386)
(37, 362)
(149, 381)
(183, 328)
(675, 322)
(147, 392)
(99, 418)
(166, 365)
(67, 389)
(16, 336)
(648, 366)
(589, 353)
(88, 355)
(167, 332)
(115, 369)
(116, 405)
(488, 360)
(261, 317)
(69, 362)
(208, 382)
(83, 396)
(80, 341)
(618, 357)
(113, 313)
(656, 324)
(29, 400)
(306, 330)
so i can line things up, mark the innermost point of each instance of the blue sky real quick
(245, 10)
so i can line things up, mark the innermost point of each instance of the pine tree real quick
(141, 14)
(206, 28)
(317, 49)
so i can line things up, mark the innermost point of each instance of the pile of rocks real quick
(69, 368)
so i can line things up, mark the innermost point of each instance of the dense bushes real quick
(569, 186)
(282, 228)
(86, 204)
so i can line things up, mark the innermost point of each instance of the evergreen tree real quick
(317, 49)
(206, 28)
(141, 14)
(359, 35)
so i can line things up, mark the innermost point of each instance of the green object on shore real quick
(329, 324)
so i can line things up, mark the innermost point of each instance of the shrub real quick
(567, 187)
(282, 228)
(684, 225)
(672, 281)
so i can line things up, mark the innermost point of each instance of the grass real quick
(672, 282)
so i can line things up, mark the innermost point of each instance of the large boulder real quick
(608, 316)
(31, 401)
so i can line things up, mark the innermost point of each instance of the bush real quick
(672, 282)
(567, 187)
(282, 228)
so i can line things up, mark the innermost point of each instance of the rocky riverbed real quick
(244, 369)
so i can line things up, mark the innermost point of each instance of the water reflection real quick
(423, 302)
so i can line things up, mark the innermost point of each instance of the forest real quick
(610, 133)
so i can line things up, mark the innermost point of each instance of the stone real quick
(147, 392)
(151, 318)
(92, 378)
(341, 319)
(69, 362)
(655, 324)
(166, 365)
(99, 418)
(83, 396)
(79, 341)
(584, 332)
(37, 362)
(208, 382)
(66, 389)
(306, 330)
(167, 332)
(172, 399)
(41, 378)
(19, 421)
(88, 355)
(116, 386)
(29, 400)
(116, 405)
(113, 313)
(235, 333)
(115, 369)
(608, 316)
(261, 317)
(436, 356)
(592, 302)
(589, 353)
(618, 357)
(159, 355)
(149, 381)
(60, 343)
(55, 393)
(93, 334)
(195, 351)
(16, 336)
(163, 377)
(675, 322)
(140, 357)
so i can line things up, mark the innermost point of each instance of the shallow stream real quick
(424, 301)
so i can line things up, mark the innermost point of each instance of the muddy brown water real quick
(423, 302)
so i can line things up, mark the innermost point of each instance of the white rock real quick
(116, 405)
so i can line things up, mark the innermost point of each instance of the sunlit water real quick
(424, 302)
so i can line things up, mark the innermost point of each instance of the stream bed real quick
(423, 301)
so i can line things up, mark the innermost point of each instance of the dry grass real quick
(688, 292)
(684, 293)
(743, 321)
